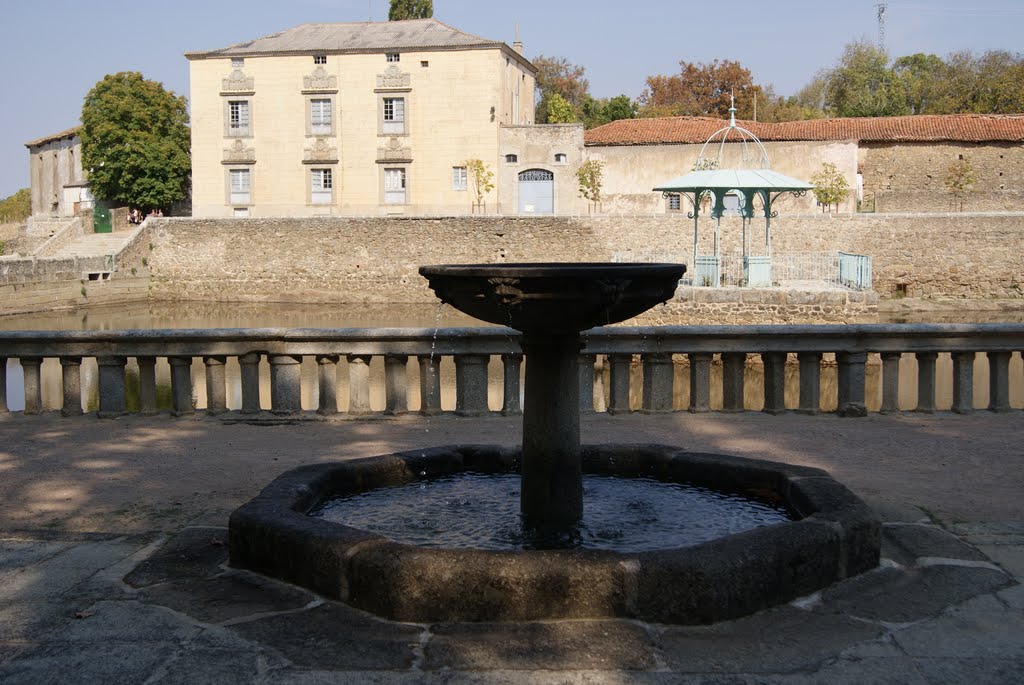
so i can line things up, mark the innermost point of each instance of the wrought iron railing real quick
(835, 268)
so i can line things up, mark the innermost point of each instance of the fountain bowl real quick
(554, 298)
(834, 536)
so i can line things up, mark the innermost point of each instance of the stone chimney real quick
(517, 45)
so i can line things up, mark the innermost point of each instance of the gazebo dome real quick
(753, 179)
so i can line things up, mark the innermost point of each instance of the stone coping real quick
(835, 536)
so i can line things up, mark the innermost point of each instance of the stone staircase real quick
(94, 245)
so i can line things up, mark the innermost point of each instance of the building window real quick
(322, 187)
(320, 117)
(394, 57)
(424, 63)
(319, 59)
(241, 186)
(394, 115)
(561, 157)
(237, 62)
(458, 178)
(511, 159)
(238, 117)
(675, 202)
(394, 186)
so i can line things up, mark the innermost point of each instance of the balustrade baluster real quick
(358, 384)
(430, 384)
(657, 382)
(33, 385)
(810, 382)
(285, 383)
(3, 385)
(774, 382)
(619, 367)
(700, 381)
(733, 371)
(112, 399)
(999, 381)
(851, 383)
(181, 385)
(396, 384)
(147, 384)
(250, 379)
(216, 398)
(963, 382)
(511, 365)
(71, 383)
(327, 380)
(890, 382)
(926, 381)
(471, 384)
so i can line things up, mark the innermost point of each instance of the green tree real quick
(135, 142)
(921, 77)
(863, 85)
(558, 76)
(597, 112)
(959, 180)
(590, 177)
(560, 110)
(830, 187)
(16, 207)
(410, 9)
(483, 180)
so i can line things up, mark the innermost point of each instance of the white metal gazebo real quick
(708, 181)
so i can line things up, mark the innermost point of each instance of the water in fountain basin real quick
(481, 511)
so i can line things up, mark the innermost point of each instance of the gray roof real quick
(412, 34)
(734, 179)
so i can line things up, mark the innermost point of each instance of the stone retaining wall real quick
(956, 255)
(23, 298)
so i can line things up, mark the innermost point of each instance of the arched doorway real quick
(536, 192)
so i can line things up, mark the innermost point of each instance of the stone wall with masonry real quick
(955, 255)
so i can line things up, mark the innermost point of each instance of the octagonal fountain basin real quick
(829, 535)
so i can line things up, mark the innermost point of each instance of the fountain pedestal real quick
(552, 477)
(551, 304)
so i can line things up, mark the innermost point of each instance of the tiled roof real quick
(71, 132)
(970, 128)
(355, 37)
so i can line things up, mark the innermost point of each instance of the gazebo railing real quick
(837, 268)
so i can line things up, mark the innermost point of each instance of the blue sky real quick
(53, 52)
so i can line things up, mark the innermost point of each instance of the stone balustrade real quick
(618, 358)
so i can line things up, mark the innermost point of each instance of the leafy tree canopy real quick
(557, 76)
(830, 186)
(410, 9)
(701, 90)
(16, 207)
(597, 112)
(559, 110)
(863, 84)
(135, 142)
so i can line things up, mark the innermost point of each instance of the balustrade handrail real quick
(472, 347)
(941, 337)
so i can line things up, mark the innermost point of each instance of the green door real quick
(101, 219)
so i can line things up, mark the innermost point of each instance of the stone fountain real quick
(832, 535)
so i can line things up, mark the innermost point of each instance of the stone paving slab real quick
(154, 601)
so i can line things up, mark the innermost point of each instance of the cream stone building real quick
(371, 119)
(59, 185)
